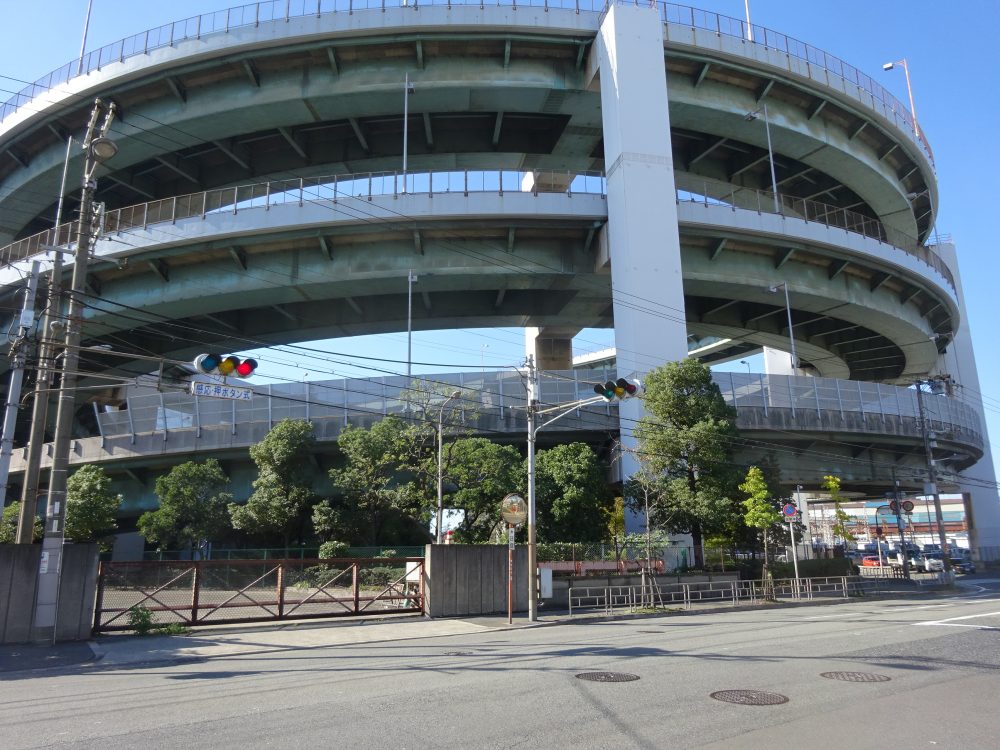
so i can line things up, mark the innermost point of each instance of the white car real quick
(930, 563)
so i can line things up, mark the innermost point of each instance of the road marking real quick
(952, 621)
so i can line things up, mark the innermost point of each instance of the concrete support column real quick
(959, 361)
(647, 286)
(550, 352)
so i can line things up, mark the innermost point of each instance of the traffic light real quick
(620, 389)
(216, 364)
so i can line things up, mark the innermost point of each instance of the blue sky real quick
(952, 64)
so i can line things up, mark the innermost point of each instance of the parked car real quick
(871, 561)
(932, 562)
(961, 562)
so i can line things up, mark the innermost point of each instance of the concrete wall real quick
(19, 564)
(18, 575)
(472, 579)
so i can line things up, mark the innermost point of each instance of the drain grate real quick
(607, 676)
(749, 697)
(855, 676)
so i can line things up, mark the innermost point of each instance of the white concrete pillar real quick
(959, 361)
(644, 243)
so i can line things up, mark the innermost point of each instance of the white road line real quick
(952, 621)
(958, 625)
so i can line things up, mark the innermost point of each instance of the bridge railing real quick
(349, 189)
(282, 11)
(495, 401)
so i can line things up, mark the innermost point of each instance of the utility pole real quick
(932, 488)
(40, 407)
(97, 148)
(899, 525)
(532, 430)
(16, 378)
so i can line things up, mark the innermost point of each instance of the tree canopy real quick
(686, 437)
(91, 507)
(282, 492)
(571, 494)
(192, 506)
(482, 472)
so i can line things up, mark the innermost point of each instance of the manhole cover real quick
(855, 676)
(607, 676)
(749, 697)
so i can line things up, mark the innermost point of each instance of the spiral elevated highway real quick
(259, 190)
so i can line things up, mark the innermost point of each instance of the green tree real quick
(282, 492)
(192, 506)
(483, 472)
(8, 525)
(760, 509)
(614, 524)
(686, 437)
(91, 507)
(371, 479)
(570, 494)
(840, 528)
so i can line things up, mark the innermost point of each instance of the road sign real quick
(907, 506)
(513, 509)
(510, 536)
(788, 510)
(220, 390)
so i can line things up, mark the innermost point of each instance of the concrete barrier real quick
(77, 590)
(464, 579)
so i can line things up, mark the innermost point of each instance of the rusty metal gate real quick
(211, 592)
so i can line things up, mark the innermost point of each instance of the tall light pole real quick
(411, 278)
(788, 310)
(909, 91)
(407, 90)
(749, 117)
(97, 149)
(744, 362)
(440, 477)
(746, 5)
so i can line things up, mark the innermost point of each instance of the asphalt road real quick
(518, 688)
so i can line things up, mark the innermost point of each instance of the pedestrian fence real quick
(211, 592)
(630, 598)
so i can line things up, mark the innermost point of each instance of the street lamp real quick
(440, 488)
(411, 278)
(909, 91)
(791, 332)
(407, 90)
(744, 362)
(750, 117)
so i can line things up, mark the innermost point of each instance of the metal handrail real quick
(274, 11)
(368, 185)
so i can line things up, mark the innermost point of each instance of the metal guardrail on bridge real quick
(495, 401)
(281, 11)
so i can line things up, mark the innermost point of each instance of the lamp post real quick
(788, 310)
(410, 279)
(744, 362)
(98, 149)
(750, 116)
(909, 91)
(407, 90)
(440, 476)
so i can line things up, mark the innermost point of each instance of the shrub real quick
(328, 550)
(140, 620)
(378, 577)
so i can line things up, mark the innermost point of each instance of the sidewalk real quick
(229, 640)
(220, 641)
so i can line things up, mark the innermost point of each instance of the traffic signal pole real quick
(932, 476)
